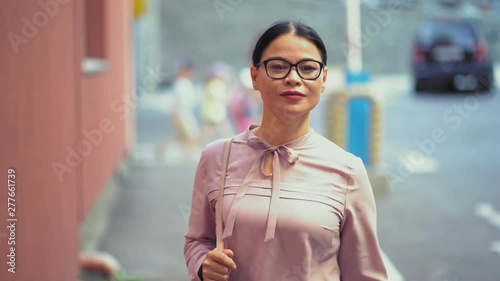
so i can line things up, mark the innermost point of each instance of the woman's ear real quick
(254, 73)
(325, 74)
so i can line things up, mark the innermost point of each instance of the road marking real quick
(487, 212)
(392, 272)
(495, 247)
(386, 87)
(416, 162)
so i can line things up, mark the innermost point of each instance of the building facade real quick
(66, 111)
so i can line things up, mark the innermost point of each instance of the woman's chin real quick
(290, 113)
(297, 109)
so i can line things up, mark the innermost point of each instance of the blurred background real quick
(107, 106)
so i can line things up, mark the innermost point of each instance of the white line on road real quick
(495, 247)
(487, 212)
(392, 272)
(416, 162)
(386, 86)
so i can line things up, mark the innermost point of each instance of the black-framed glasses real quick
(307, 69)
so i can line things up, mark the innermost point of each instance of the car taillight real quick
(418, 54)
(481, 51)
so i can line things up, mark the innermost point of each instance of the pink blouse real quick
(313, 218)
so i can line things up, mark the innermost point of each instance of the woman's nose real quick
(293, 76)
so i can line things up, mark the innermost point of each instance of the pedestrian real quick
(295, 205)
(215, 103)
(243, 102)
(182, 117)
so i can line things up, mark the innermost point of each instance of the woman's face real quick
(291, 96)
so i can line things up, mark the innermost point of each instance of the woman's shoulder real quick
(326, 148)
(215, 149)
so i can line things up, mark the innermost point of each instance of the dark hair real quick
(284, 27)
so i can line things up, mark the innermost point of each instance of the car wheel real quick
(484, 85)
(419, 86)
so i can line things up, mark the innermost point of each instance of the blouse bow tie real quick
(281, 151)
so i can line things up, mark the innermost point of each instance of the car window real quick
(448, 33)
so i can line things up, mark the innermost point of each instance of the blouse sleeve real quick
(360, 257)
(200, 238)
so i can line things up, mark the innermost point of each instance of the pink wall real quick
(103, 103)
(45, 104)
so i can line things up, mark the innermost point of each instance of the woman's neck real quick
(276, 131)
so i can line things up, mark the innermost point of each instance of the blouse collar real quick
(285, 151)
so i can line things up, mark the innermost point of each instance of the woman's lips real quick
(293, 95)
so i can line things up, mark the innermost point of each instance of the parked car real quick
(451, 53)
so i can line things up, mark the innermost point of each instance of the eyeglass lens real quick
(307, 69)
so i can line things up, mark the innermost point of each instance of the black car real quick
(451, 53)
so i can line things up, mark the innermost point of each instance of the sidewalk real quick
(149, 217)
(146, 216)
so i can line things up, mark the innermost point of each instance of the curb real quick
(96, 265)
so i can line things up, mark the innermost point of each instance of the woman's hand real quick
(217, 266)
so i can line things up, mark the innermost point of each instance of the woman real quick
(296, 206)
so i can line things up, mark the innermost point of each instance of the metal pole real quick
(354, 58)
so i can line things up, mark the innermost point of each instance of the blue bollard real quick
(359, 129)
(359, 109)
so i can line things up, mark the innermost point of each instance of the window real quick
(94, 16)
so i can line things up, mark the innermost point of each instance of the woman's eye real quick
(308, 68)
(278, 67)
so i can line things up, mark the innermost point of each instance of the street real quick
(438, 223)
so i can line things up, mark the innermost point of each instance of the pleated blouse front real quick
(312, 218)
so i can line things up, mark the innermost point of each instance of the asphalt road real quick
(441, 220)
